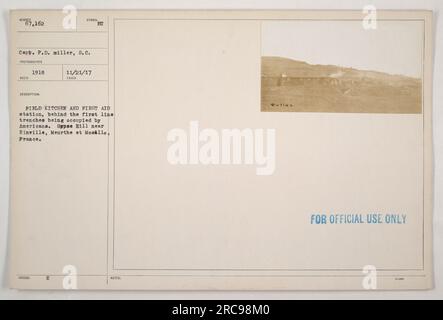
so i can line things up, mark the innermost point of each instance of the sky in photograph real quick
(395, 47)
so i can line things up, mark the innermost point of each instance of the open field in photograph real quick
(294, 86)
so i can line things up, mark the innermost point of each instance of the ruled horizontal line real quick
(62, 80)
(61, 64)
(65, 48)
(46, 31)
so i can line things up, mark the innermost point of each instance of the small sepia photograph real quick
(342, 67)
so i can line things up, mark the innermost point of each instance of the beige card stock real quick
(233, 150)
